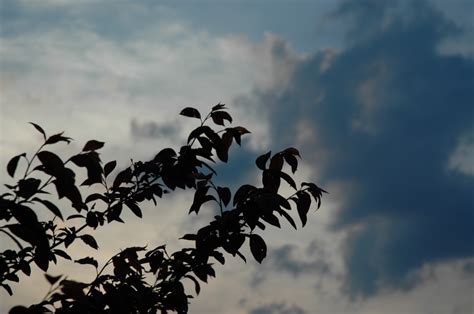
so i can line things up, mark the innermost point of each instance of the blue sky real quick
(376, 94)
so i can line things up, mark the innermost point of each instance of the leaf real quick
(272, 220)
(52, 279)
(123, 176)
(190, 112)
(87, 261)
(258, 247)
(165, 155)
(74, 216)
(134, 208)
(288, 179)
(223, 154)
(287, 216)
(292, 161)
(224, 194)
(95, 197)
(91, 162)
(93, 145)
(50, 206)
(42, 257)
(218, 256)
(276, 162)
(262, 160)
(25, 215)
(109, 167)
(315, 191)
(241, 130)
(53, 165)
(28, 187)
(190, 237)
(40, 129)
(10, 292)
(89, 240)
(57, 138)
(25, 267)
(91, 219)
(219, 106)
(62, 254)
(219, 116)
(292, 151)
(242, 193)
(302, 205)
(13, 163)
(12, 277)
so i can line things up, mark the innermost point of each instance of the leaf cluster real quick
(123, 284)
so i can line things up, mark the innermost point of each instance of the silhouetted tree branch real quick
(123, 284)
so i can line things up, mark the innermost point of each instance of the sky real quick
(377, 95)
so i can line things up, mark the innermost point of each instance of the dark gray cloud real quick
(278, 308)
(285, 260)
(153, 130)
(388, 113)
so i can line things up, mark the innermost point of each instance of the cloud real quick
(277, 308)
(153, 130)
(385, 116)
(285, 259)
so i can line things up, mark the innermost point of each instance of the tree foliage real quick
(138, 279)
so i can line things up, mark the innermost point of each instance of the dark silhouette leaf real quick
(93, 145)
(288, 179)
(52, 279)
(302, 205)
(53, 165)
(15, 309)
(42, 257)
(271, 180)
(219, 106)
(92, 163)
(243, 192)
(224, 194)
(95, 197)
(91, 219)
(25, 267)
(58, 138)
(74, 216)
(122, 177)
(272, 220)
(134, 208)
(12, 277)
(292, 151)
(219, 116)
(219, 257)
(25, 215)
(190, 237)
(261, 161)
(89, 240)
(276, 162)
(258, 247)
(109, 167)
(39, 129)
(13, 163)
(28, 187)
(190, 112)
(315, 191)
(87, 261)
(287, 216)
(62, 254)
(292, 161)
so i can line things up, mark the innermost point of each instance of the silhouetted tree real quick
(137, 279)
